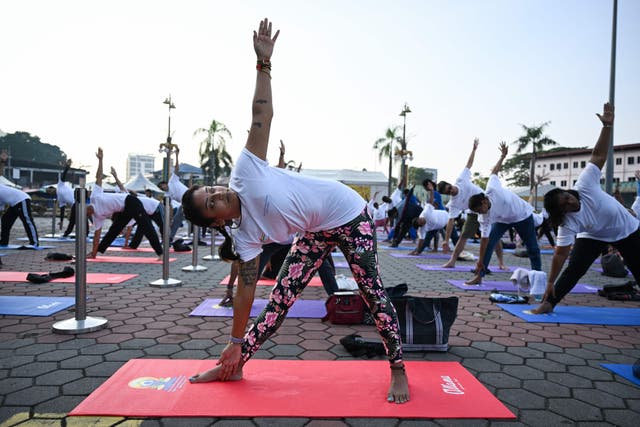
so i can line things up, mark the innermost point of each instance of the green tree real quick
(517, 169)
(479, 180)
(534, 136)
(215, 161)
(385, 148)
(24, 146)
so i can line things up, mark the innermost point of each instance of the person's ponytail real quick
(227, 250)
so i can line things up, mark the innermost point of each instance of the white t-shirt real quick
(149, 203)
(176, 188)
(277, 203)
(11, 196)
(105, 205)
(380, 213)
(601, 217)
(506, 206)
(460, 202)
(64, 194)
(396, 197)
(436, 219)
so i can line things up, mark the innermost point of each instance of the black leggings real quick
(133, 209)
(23, 210)
(584, 253)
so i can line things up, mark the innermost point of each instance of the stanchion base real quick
(166, 283)
(194, 268)
(49, 235)
(211, 257)
(73, 326)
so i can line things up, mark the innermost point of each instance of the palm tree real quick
(535, 136)
(385, 148)
(215, 161)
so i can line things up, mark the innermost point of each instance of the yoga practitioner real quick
(588, 220)
(19, 206)
(269, 204)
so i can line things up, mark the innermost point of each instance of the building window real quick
(583, 164)
(632, 179)
(618, 160)
(630, 160)
(566, 165)
(575, 180)
(575, 165)
(552, 182)
(563, 183)
(638, 160)
(559, 166)
(552, 166)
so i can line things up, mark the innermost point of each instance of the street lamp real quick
(167, 147)
(403, 143)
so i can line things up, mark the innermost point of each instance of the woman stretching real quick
(595, 218)
(270, 204)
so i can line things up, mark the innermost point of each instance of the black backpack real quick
(613, 266)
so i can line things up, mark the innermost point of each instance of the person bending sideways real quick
(588, 219)
(125, 206)
(460, 193)
(269, 204)
(499, 209)
(19, 206)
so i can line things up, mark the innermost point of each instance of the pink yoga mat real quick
(128, 259)
(466, 268)
(315, 281)
(319, 388)
(119, 249)
(21, 276)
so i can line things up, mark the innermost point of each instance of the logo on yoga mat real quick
(451, 385)
(48, 306)
(168, 384)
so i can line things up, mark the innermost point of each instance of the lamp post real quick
(403, 152)
(167, 147)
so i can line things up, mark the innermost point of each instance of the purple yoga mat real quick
(423, 255)
(489, 285)
(341, 264)
(466, 269)
(301, 308)
(398, 248)
(600, 270)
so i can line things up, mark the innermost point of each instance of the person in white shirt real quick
(636, 204)
(64, 196)
(430, 222)
(268, 205)
(125, 207)
(588, 220)
(498, 210)
(175, 189)
(460, 193)
(19, 206)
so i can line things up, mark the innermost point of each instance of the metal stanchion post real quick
(81, 323)
(213, 256)
(194, 252)
(166, 230)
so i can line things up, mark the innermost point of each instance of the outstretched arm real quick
(176, 168)
(114, 174)
(99, 171)
(599, 153)
(472, 156)
(504, 149)
(262, 109)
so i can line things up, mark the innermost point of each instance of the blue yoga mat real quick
(311, 309)
(542, 251)
(34, 306)
(623, 370)
(578, 315)
(49, 239)
(22, 247)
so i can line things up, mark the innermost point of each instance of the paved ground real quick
(547, 374)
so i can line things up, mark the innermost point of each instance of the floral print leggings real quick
(357, 241)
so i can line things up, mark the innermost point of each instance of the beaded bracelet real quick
(234, 340)
(263, 64)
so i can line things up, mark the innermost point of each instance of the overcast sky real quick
(83, 74)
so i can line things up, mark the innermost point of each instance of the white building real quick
(562, 168)
(140, 163)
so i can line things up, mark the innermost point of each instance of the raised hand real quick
(476, 141)
(262, 41)
(113, 172)
(99, 153)
(607, 115)
(504, 149)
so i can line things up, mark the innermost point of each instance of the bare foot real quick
(543, 308)
(449, 265)
(399, 385)
(214, 375)
(503, 267)
(477, 279)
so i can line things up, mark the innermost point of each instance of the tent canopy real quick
(139, 184)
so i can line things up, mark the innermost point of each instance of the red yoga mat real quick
(291, 388)
(128, 259)
(119, 249)
(315, 281)
(21, 276)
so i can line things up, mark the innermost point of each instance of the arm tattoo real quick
(249, 272)
(261, 101)
(257, 124)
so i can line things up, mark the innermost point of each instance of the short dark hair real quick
(386, 199)
(414, 222)
(428, 181)
(162, 183)
(476, 200)
(442, 186)
(552, 205)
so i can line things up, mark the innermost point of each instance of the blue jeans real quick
(433, 233)
(527, 232)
